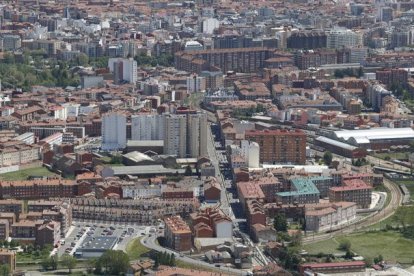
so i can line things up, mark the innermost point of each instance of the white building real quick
(197, 135)
(209, 25)
(123, 69)
(147, 127)
(113, 131)
(175, 137)
(139, 190)
(224, 228)
(196, 84)
(251, 152)
(341, 37)
(59, 112)
(193, 46)
(72, 109)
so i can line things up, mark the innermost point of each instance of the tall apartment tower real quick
(114, 131)
(175, 136)
(147, 127)
(197, 135)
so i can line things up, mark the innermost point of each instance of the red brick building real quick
(177, 234)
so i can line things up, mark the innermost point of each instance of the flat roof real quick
(145, 143)
(146, 169)
(97, 244)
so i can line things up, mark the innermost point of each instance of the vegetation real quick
(26, 173)
(345, 245)
(49, 263)
(5, 270)
(348, 72)
(135, 249)
(359, 162)
(33, 253)
(162, 60)
(112, 262)
(68, 261)
(280, 223)
(327, 157)
(164, 258)
(390, 244)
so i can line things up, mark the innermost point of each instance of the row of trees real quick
(52, 262)
(164, 258)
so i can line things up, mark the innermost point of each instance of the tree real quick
(297, 238)
(378, 259)
(188, 171)
(280, 223)
(327, 158)
(69, 262)
(345, 245)
(113, 262)
(5, 270)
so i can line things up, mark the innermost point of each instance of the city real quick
(206, 137)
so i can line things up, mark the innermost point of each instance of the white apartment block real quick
(147, 127)
(138, 190)
(197, 135)
(175, 136)
(124, 69)
(341, 37)
(113, 131)
(19, 154)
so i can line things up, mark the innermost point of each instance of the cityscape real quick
(207, 137)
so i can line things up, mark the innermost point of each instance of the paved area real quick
(80, 230)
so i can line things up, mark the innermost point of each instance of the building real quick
(320, 217)
(48, 234)
(212, 189)
(8, 257)
(342, 267)
(124, 70)
(279, 146)
(177, 234)
(211, 222)
(196, 84)
(175, 136)
(353, 190)
(376, 138)
(340, 148)
(341, 37)
(307, 40)
(4, 229)
(303, 191)
(11, 42)
(197, 135)
(114, 131)
(147, 127)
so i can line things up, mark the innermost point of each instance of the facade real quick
(338, 38)
(279, 146)
(147, 127)
(113, 131)
(354, 190)
(303, 191)
(123, 69)
(8, 257)
(41, 188)
(177, 234)
(321, 217)
(175, 136)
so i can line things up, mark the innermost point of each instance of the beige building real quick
(320, 217)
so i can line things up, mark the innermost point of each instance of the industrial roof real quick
(137, 156)
(98, 244)
(365, 136)
(335, 143)
(145, 143)
(142, 170)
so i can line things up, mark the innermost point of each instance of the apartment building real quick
(147, 127)
(114, 128)
(4, 229)
(279, 146)
(8, 257)
(177, 234)
(354, 190)
(320, 217)
(40, 188)
(211, 222)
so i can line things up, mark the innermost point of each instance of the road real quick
(150, 242)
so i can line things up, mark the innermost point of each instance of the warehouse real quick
(376, 138)
(340, 148)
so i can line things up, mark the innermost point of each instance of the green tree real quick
(345, 245)
(280, 223)
(5, 270)
(327, 158)
(113, 262)
(188, 171)
(378, 259)
(68, 261)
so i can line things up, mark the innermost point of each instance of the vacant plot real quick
(392, 155)
(136, 250)
(390, 244)
(24, 174)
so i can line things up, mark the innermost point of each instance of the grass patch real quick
(390, 244)
(135, 249)
(179, 263)
(328, 246)
(26, 173)
(391, 155)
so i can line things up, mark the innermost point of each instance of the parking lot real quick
(80, 230)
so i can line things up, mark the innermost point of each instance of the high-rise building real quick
(197, 135)
(147, 127)
(114, 131)
(123, 69)
(175, 137)
(279, 146)
(196, 84)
